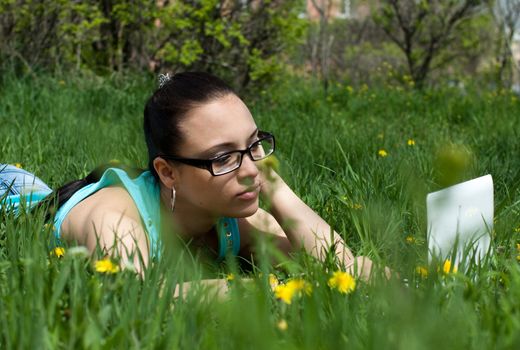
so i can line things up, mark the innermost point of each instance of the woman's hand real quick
(362, 267)
(270, 181)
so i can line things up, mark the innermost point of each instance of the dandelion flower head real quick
(273, 281)
(286, 292)
(58, 251)
(342, 281)
(106, 266)
(422, 271)
(446, 268)
(282, 325)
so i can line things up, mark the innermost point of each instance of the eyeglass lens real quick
(231, 161)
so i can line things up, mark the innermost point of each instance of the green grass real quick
(328, 147)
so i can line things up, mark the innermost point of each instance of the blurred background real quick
(400, 43)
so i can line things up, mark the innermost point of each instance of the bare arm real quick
(302, 225)
(305, 228)
(121, 235)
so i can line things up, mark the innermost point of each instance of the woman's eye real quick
(222, 160)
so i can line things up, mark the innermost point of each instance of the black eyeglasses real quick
(229, 161)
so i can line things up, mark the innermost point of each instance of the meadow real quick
(363, 158)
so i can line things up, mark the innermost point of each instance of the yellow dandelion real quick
(273, 281)
(18, 165)
(282, 325)
(307, 288)
(300, 285)
(446, 267)
(230, 277)
(349, 89)
(410, 239)
(382, 153)
(342, 281)
(286, 292)
(422, 271)
(410, 142)
(58, 252)
(106, 266)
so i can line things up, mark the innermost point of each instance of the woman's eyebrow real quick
(229, 145)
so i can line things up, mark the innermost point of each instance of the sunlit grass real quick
(330, 151)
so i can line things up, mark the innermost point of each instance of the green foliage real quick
(241, 41)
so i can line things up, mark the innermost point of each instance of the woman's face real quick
(219, 126)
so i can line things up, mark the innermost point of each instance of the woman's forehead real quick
(223, 120)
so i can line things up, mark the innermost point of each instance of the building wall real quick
(357, 9)
(333, 8)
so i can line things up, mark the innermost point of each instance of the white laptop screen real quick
(461, 215)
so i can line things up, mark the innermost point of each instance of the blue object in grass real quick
(20, 189)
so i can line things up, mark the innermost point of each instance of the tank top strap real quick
(228, 237)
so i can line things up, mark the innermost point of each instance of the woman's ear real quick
(167, 172)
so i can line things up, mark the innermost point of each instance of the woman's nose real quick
(248, 167)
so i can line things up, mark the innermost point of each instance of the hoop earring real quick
(172, 199)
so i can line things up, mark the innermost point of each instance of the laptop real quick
(460, 221)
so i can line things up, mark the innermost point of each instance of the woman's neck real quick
(188, 221)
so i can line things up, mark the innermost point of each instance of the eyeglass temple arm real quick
(201, 163)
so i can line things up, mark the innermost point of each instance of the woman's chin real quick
(245, 211)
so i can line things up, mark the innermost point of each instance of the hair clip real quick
(163, 79)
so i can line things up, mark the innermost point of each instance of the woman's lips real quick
(249, 194)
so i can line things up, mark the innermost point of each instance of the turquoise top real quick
(144, 190)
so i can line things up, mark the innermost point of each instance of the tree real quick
(423, 29)
(506, 14)
(320, 41)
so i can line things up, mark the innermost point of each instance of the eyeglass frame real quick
(207, 163)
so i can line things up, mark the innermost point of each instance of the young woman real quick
(203, 180)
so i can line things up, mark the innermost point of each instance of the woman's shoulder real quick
(89, 211)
